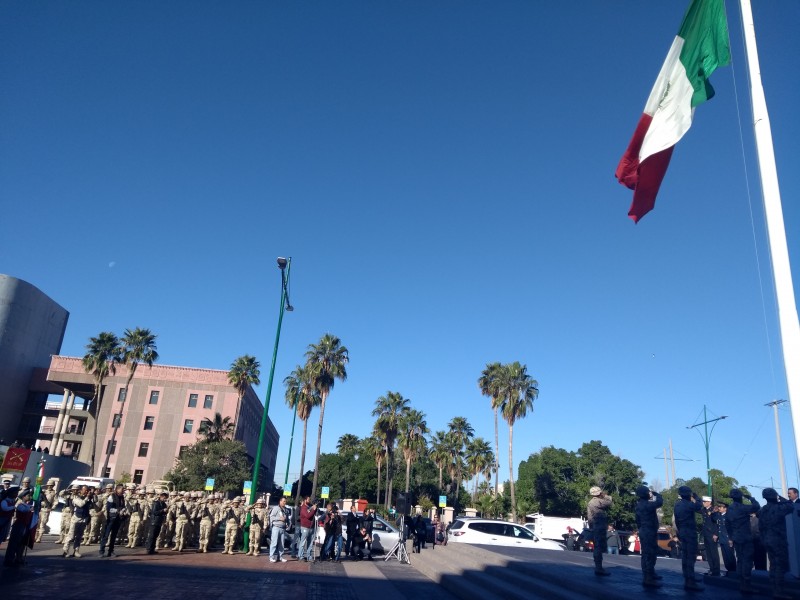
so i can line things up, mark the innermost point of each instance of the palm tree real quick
(137, 346)
(373, 446)
(348, 444)
(389, 409)
(461, 432)
(300, 391)
(439, 454)
(519, 390)
(217, 429)
(412, 439)
(245, 371)
(326, 361)
(100, 360)
(488, 384)
(479, 456)
(454, 450)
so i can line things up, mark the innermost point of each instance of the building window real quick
(107, 472)
(182, 450)
(123, 395)
(208, 402)
(149, 422)
(188, 425)
(143, 448)
(111, 447)
(154, 397)
(138, 474)
(192, 400)
(117, 420)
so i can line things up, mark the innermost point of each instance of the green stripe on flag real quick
(706, 45)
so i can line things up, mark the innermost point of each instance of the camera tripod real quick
(399, 549)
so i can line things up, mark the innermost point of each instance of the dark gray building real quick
(31, 330)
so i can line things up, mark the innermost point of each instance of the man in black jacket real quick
(741, 536)
(710, 536)
(353, 524)
(685, 509)
(115, 513)
(158, 513)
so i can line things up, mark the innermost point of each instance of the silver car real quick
(384, 534)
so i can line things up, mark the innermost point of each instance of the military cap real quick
(643, 492)
(684, 490)
(595, 491)
(26, 479)
(735, 493)
(109, 486)
(769, 494)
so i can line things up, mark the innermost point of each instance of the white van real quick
(96, 482)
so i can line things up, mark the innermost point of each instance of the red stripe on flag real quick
(651, 174)
(628, 168)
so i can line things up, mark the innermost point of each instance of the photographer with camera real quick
(77, 524)
(115, 511)
(307, 514)
(333, 532)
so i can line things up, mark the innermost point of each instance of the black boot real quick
(650, 582)
(690, 584)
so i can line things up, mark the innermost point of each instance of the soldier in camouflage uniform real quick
(168, 528)
(259, 521)
(206, 514)
(232, 517)
(183, 511)
(772, 526)
(598, 521)
(66, 515)
(98, 516)
(135, 507)
(48, 501)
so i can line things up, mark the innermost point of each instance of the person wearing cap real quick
(7, 504)
(599, 503)
(684, 512)
(65, 498)
(47, 500)
(77, 525)
(728, 555)
(259, 520)
(233, 517)
(114, 512)
(158, 514)
(710, 536)
(134, 506)
(741, 536)
(206, 513)
(646, 509)
(772, 526)
(26, 484)
(25, 520)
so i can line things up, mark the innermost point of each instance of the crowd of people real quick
(728, 531)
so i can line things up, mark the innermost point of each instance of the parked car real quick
(497, 533)
(384, 534)
(585, 541)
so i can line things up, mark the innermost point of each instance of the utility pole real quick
(774, 404)
(706, 440)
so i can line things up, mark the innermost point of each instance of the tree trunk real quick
(236, 414)
(496, 455)
(97, 393)
(302, 464)
(319, 443)
(117, 423)
(408, 475)
(511, 472)
(378, 486)
(440, 478)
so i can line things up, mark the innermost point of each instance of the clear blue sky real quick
(441, 174)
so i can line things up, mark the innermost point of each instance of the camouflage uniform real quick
(182, 513)
(259, 520)
(598, 521)
(135, 508)
(48, 501)
(66, 515)
(232, 516)
(168, 528)
(98, 516)
(77, 525)
(206, 513)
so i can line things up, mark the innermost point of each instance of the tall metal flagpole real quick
(782, 272)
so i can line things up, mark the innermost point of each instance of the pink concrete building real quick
(159, 417)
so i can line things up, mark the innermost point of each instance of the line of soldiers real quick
(191, 519)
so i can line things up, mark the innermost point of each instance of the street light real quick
(285, 265)
(706, 441)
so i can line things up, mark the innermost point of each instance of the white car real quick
(384, 534)
(497, 533)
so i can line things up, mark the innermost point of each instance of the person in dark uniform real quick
(794, 496)
(158, 513)
(598, 521)
(685, 510)
(741, 536)
(710, 536)
(772, 525)
(728, 556)
(352, 524)
(647, 523)
(115, 512)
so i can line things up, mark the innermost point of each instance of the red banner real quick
(16, 459)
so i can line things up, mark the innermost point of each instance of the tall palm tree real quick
(100, 361)
(373, 446)
(461, 432)
(479, 456)
(488, 384)
(245, 371)
(455, 463)
(519, 391)
(137, 346)
(217, 429)
(411, 440)
(389, 409)
(439, 454)
(300, 390)
(348, 444)
(327, 362)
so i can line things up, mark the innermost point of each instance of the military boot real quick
(650, 582)
(691, 585)
(600, 571)
(249, 552)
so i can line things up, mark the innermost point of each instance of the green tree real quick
(244, 372)
(300, 392)
(348, 445)
(389, 410)
(518, 390)
(326, 361)
(489, 384)
(479, 458)
(101, 359)
(460, 433)
(225, 461)
(374, 447)
(440, 454)
(217, 429)
(136, 346)
(412, 442)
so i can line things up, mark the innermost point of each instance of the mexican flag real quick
(700, 47)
